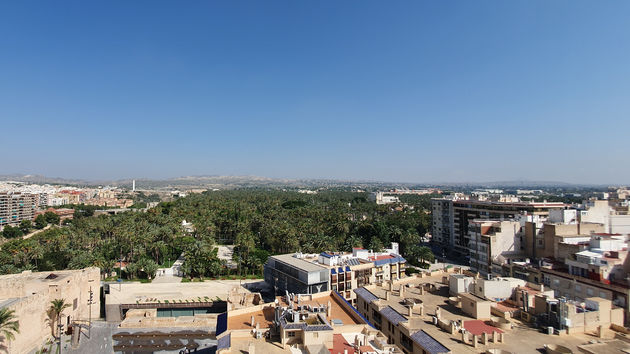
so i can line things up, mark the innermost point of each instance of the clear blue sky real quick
(412, 91)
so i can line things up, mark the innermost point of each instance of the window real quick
(602, 294)
(589, 291)
(75, 303)
(315, 335)
(291, 334)
(578, 288)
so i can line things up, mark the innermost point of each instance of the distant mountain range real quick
(223, 182)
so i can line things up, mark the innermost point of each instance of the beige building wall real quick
(29, 295)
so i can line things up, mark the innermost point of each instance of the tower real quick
(133, 185)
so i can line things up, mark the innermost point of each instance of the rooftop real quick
(129, 293)
(521, 339)
(299, 263)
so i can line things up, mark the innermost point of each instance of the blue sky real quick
(411, 91)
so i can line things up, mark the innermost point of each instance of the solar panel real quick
(392, 315)
(430, 344)
(365, 294)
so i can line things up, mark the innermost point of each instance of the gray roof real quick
(365, 294)
(392, 315)
(430, 344)
(298, 263)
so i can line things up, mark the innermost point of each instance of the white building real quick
(493, 240)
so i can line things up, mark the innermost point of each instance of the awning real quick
(340, 270)
(333, 271)
(347, 268)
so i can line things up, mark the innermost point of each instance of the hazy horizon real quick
(516, 182)
(414, 92)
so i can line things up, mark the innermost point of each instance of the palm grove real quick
(257, 222)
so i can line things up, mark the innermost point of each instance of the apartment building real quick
(337, 271)
(493, 240)
(615, 218)
(545, 239)
(463, 211)
(15, 207)
(441, 229)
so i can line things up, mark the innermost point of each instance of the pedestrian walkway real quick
(172, 274)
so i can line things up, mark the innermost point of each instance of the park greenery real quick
(257, 222)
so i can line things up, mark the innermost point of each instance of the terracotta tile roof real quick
(478, 327)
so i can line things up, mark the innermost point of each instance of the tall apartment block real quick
(451, 218)
(15, 207)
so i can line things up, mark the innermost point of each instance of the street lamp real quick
(90, 303)
(60, 325)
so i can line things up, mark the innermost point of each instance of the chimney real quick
(401, 292)
(386, 295)
(410, 311)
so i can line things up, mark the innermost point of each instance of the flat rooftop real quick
(265, 315)
(299, 263)
(129, 293)
(521, 339)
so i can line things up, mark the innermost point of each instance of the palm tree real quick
(9, 326)
(56, 308)
(425, 254)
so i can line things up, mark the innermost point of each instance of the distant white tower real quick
(133, 185)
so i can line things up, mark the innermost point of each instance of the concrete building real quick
(30, 295)
(466, 210)
(381, 198)
(577, 317)
(475, 306)
(166, 304)
(493, 240)
(460, 283)
(616, 219)
(15, 207)
(313, 323)
(496, 289)
(542, 239)
(291, 273)
(604, 259)
(441, 227)
(337, 271)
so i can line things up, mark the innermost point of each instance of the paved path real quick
(167, 279)
(170, 275)
(100, 340)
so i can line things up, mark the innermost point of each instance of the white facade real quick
(497, 289)
(459, 283)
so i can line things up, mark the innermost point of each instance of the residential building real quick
(15, 207)
(493, 240)
(616, 218)
(313, 323)
(604, 260)
(577, 316)
(30, 295)
(441, 228)
(337, 271)
(463, 211)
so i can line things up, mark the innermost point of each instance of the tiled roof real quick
(365, 294)
(392, 315)
(430, 344)
(478, 327)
